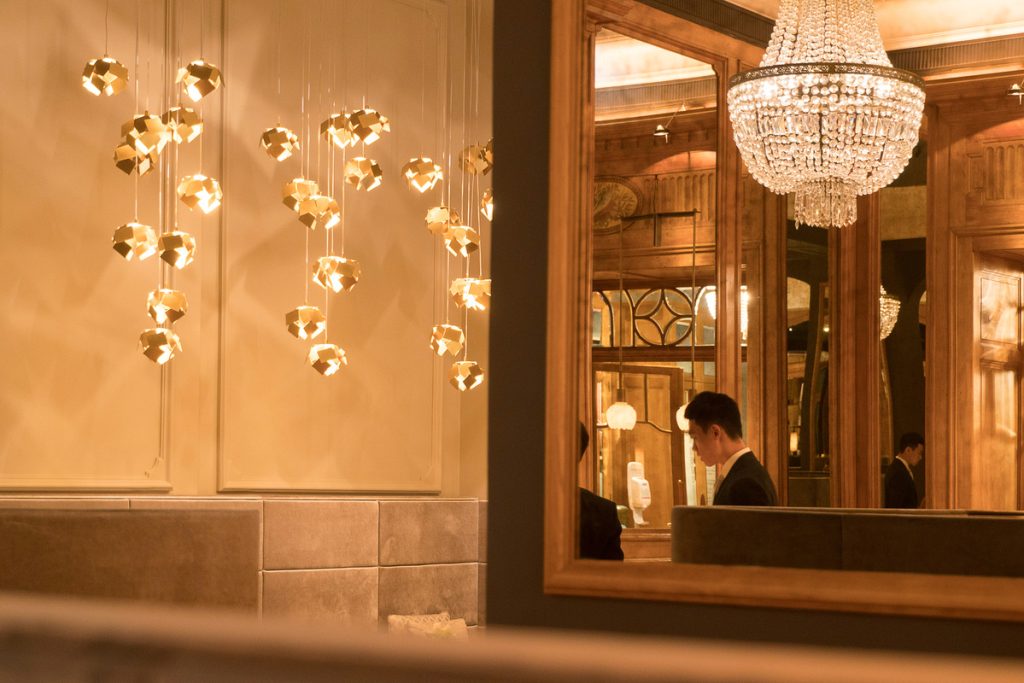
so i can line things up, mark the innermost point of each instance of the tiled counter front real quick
(348, 561)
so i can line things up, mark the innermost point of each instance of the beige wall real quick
(80, 408)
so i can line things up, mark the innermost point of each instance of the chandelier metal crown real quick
(826, 115)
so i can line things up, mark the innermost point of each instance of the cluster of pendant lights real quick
(143, 138)
(321, 210)
(462, 240)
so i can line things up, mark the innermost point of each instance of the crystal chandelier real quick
(826, 115)
(888, 311)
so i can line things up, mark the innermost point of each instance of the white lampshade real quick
(621, 415)
(684, 424)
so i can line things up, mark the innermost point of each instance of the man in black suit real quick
(717, 434)
(600, 530)
(900, 490)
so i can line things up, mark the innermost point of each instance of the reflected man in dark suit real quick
(717, 434)
(900, 490)
(600, 530)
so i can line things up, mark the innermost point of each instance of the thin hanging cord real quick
(344, 204)
(106, 30)
(202, 29)
(138, 14)
(693, 296)
(177, 64)
(277, 58)
(622, 301)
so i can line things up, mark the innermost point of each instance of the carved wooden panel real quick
(1004, 171)
(654, 242)
(987, 167)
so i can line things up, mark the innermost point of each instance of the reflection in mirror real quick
(903, 222)
(808, 307)
(653, 301)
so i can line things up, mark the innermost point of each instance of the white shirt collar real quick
(907, 465)
(732, 461)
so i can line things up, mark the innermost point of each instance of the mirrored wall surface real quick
(653, 272)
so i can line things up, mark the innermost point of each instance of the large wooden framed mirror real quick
(671, 271)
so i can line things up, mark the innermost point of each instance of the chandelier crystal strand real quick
(826, 116)
(888, 313)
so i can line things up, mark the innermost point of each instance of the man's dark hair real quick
(708, 408)
(584, 440)
(910, 440)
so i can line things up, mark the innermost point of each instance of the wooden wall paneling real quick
(854, 359)
(939, 358)
(970, 193)
(566, 268)
(587, 407)
(772, 320)
(729, 245)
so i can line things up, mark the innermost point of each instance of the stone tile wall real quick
(347, 561)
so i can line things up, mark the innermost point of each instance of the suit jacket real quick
(900, 491)
(600, 530)
(747, 483)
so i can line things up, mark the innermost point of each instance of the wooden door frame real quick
(968, 250)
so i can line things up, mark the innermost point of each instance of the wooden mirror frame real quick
(568, 299)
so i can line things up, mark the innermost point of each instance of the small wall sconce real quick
(1016, 90)
(661, 131)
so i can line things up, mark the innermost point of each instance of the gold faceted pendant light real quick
(199, 78)
(135, 240)
(279, 143)
(487, 204)
(200, 191)
(305, 322)
(337, 273)
(127, 159)
(368, 125)
(327, 359)
(159, 344)
(146, 133)
(105, 76)
(826, 116)
(472, 293)
(337, 129)
(166, 306)
(447, 339)
(183, 123)
(363, 173)
(177, 248)
(319, 211)
(422, 174)
(440, 218)
(296, 190)
(465, 375)
(477, 159)
(461, 240)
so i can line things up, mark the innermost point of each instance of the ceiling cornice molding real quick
(720, 16)
(993, 55)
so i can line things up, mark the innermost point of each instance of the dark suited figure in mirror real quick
(900, 490)
(717, 434)
(600, 530)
